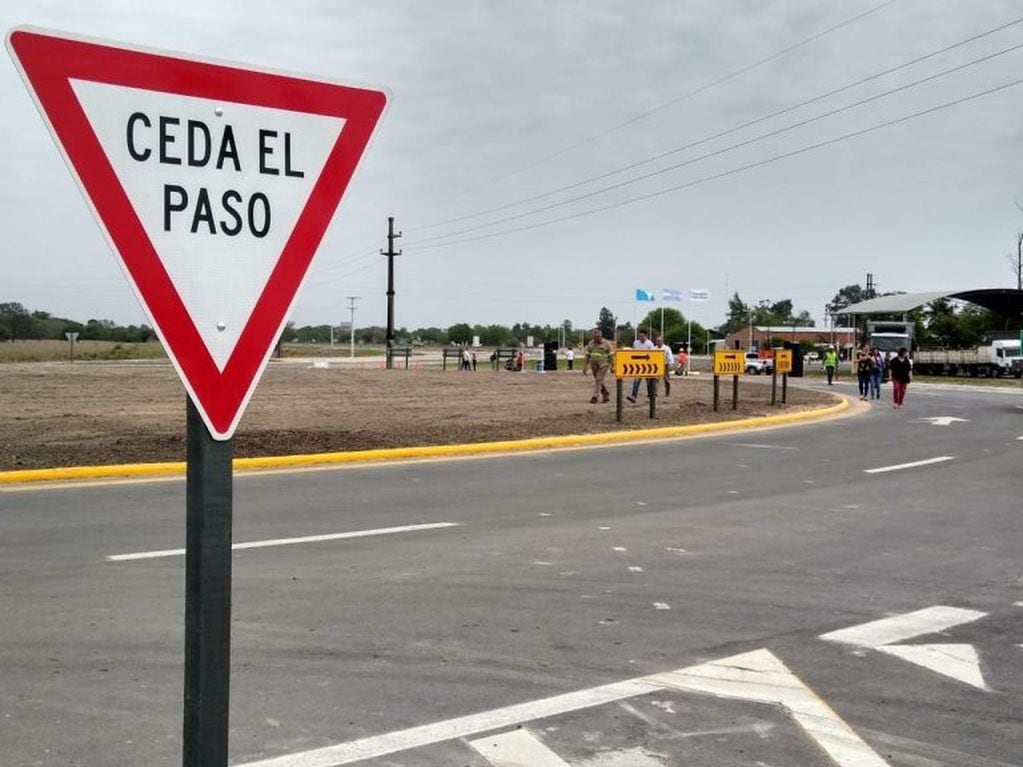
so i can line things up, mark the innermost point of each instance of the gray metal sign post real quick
(207, 595)
(71, 336)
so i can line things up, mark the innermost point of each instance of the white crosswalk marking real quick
(518, 748)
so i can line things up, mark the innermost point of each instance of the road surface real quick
(846, 593)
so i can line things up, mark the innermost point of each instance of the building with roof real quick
(766, 336)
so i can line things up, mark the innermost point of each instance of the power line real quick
(732, 171)
(729, 131)
(724, 150)
(702, 89)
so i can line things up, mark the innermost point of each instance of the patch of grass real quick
(59, 351)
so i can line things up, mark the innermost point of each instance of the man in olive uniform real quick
(598, 362)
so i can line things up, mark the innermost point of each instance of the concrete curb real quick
(431, 451)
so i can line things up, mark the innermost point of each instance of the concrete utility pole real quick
(351, 308)
(390, 253)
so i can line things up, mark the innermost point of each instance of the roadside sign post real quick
(782, 365)
(639, 363)
(731, 363)
(214, 185)
(208, 511)
(71, 337)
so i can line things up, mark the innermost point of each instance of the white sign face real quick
(218, 188)
(214, 184)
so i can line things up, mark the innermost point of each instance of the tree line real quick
(942, 323)
(19, 324)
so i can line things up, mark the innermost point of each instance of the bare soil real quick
(58, 414)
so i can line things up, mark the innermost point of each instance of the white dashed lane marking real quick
(911, 465)
(289, 541)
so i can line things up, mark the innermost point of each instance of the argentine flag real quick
(671, 295)
(645, 295)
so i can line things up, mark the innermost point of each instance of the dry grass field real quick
(59, 414)
(53, 351)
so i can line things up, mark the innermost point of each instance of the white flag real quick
(699, 294)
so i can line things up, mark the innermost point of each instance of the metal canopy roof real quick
(1005, 301)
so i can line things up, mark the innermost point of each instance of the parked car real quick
(755, 364)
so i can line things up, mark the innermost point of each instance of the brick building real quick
(766, 336)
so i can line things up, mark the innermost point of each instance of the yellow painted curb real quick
(431, 451)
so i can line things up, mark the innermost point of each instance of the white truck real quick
(996, 359)
(755, 364)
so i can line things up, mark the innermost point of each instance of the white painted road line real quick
(518, 748)
(914, 464)
(761, 677)
(957, 661)
(899, 628)
(754, 676)
(758, 446)
(473, 724)
(289, 541)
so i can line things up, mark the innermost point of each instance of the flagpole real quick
(662, 314)
(689, 326)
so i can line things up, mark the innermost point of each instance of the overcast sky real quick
(493, 103)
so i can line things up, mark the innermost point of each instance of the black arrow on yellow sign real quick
(641, 369)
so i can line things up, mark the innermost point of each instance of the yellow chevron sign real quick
(639, 363)
(729, 363)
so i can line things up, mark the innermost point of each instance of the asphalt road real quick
(539, 628)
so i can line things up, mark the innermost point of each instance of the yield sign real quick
(214, 185)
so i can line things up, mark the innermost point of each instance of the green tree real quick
(606, 323)
(432, 335)
(460, 333)
(847, 296)
(738, 315)
(674, 324)
(15, 321)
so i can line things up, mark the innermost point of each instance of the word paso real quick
(194, 144)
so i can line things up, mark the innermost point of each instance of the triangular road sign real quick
(213, 183)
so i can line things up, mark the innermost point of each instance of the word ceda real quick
(192, 143)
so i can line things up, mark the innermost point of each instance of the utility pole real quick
(390, 253)
(351, 308)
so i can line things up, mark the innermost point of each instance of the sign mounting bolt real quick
(221, 325)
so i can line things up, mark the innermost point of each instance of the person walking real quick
(598, 362)
(642, 342)
(864, 370)
(901, 371)
(876, 373)
(669, 363)
(570, 357)
(830, 364)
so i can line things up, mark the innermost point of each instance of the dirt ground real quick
(58, 414)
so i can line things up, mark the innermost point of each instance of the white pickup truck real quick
(755, 364)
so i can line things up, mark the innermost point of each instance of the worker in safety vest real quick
(830, 363)
(598, 362)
